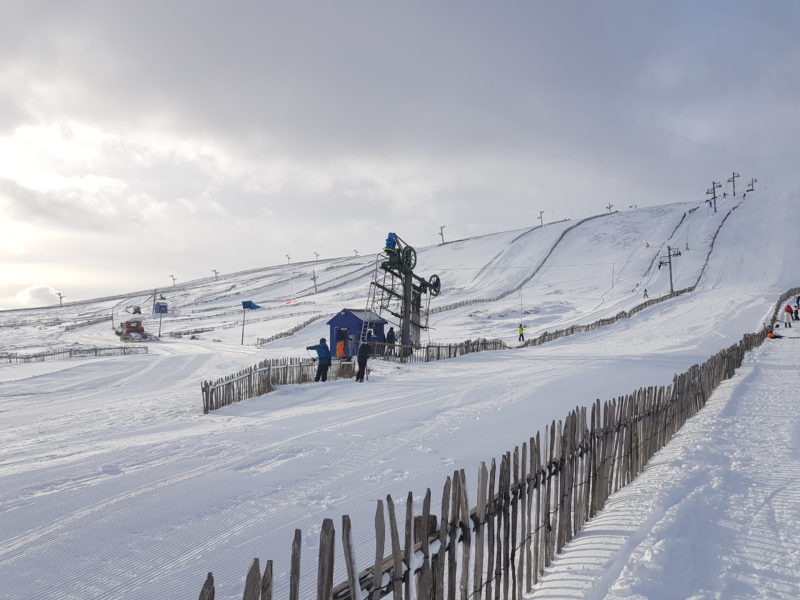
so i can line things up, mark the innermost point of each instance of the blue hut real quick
(346, 328)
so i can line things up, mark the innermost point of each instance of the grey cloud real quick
(312, 78)
(493, 111)
(62, 210)
(398, 80)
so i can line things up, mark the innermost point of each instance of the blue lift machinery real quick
(397, 291)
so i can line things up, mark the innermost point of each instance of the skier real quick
(788, 316)
(391, 338)
(645, 292)
(521, 331)
(324, 359)
(364, 350)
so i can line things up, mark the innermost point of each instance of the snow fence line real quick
(86, 323)
(475, 301)
(73, 353)
(549, 336)
(317, 316)
(524, 512)
(260, 379)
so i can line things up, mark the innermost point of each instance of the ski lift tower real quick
(397, 291)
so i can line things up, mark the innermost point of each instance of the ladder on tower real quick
(391, 279)
(374, 301)
(384, 296)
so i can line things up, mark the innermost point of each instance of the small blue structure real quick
(249, 305)
(160, 308)
(346, 328)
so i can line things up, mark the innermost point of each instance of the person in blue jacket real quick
(324, 359)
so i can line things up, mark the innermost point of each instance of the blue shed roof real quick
(365, 316)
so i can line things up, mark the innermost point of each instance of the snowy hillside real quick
(114, 485)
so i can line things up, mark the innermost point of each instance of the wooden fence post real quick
(266, 582)
(294, 574)
(465, 535)
(480, 518)
(325, 565)
(397, 554)
(452, 565)
(380, 540)
(252, 584)
(444, 523)
(491, 506)
(207, 593)
(352, 571)
(409, 543)
(425, 581)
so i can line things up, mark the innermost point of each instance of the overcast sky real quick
(140, 140)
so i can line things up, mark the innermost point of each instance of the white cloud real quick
(36, 295)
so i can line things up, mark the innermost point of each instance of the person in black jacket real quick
(391, 339)
(364, 350)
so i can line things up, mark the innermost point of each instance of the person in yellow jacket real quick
(521, 331)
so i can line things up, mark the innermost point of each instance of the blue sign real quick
(249, 304)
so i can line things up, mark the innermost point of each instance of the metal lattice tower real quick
(396, 291)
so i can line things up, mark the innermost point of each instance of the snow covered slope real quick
(113, 480)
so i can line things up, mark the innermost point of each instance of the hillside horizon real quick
(251, 270)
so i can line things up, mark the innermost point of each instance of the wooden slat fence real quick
(32, 322)
(433, 352)
(238, 322)
(180, 334)
(549, 336)
(92, 321)
(260, 379)
(73, 353)
(288, 332)
(525, 507)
